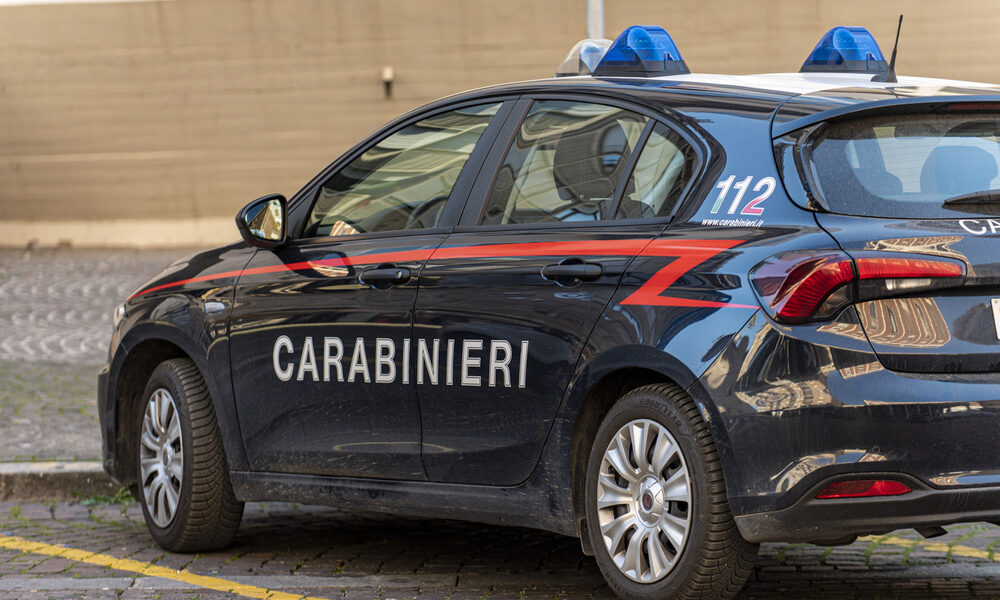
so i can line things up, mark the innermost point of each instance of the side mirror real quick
(262, 222)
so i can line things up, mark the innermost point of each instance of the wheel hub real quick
(166, 456)
(650, 504)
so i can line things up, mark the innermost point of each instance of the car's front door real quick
(506, 304)
(320, 331)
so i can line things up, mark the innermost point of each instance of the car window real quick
(564, 165)
(665, 165)
(905, 166)
(404, 181)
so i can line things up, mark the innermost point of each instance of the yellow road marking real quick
(135, 566)
(252, 591)
(965, 551)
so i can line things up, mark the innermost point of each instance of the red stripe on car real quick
(687, 254)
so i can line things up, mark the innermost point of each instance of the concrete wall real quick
(139, 123)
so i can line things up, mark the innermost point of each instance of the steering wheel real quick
(412, 222)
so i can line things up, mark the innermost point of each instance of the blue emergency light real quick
(642, 51)
(848, 50)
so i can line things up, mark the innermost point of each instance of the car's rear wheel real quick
(657, 514)
(183, 482)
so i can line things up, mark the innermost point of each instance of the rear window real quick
(904, 166)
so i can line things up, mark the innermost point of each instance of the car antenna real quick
(890, 75)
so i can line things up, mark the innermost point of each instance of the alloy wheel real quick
(644, 500)
(161, 457)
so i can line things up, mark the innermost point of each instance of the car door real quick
(320, 331)
(507, 303)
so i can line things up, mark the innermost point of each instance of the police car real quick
(674, 315)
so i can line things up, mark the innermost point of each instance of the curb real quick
(59, 481)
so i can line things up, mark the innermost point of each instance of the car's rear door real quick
(916, 185)
(507, 303)
(321, 327)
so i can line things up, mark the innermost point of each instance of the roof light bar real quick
(848, 50)
(583, 57)
(642, 51)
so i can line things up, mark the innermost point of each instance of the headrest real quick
(957, 170)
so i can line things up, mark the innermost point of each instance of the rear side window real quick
(564, 165)
(665, 166)
(904, 166)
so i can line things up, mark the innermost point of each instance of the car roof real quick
(791, 100)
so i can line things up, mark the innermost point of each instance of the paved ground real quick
(54, 325)
(55, 305)
(328, 554)
(48, 412)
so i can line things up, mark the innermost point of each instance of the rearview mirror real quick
(262, 222)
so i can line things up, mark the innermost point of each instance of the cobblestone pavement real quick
(55, 305)
(329, 554)
(48, 412)
(55, 326)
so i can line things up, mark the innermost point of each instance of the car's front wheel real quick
(183, 483)
(657, 514)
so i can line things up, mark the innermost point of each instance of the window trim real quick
(305, 199)
(491, 161)
(700, 168)
(370, 235)
(476, 205)
(640, 145)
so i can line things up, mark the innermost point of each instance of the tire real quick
(688, 545)
(183, 484)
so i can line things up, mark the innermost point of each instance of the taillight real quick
(863, 488)
(884, 267)
(797, 287)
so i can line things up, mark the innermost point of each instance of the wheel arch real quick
(599, 384)
(136, 368)
(608, 377)
(141, 350)
(599, 400)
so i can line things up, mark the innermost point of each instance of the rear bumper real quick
(839, 520)
(794, 408)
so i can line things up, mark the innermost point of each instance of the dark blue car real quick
(674, 315)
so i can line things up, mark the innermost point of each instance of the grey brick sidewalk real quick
(55, 325)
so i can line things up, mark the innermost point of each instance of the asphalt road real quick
(54, 326)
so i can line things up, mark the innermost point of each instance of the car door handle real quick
(385, 276)
(582, 271)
